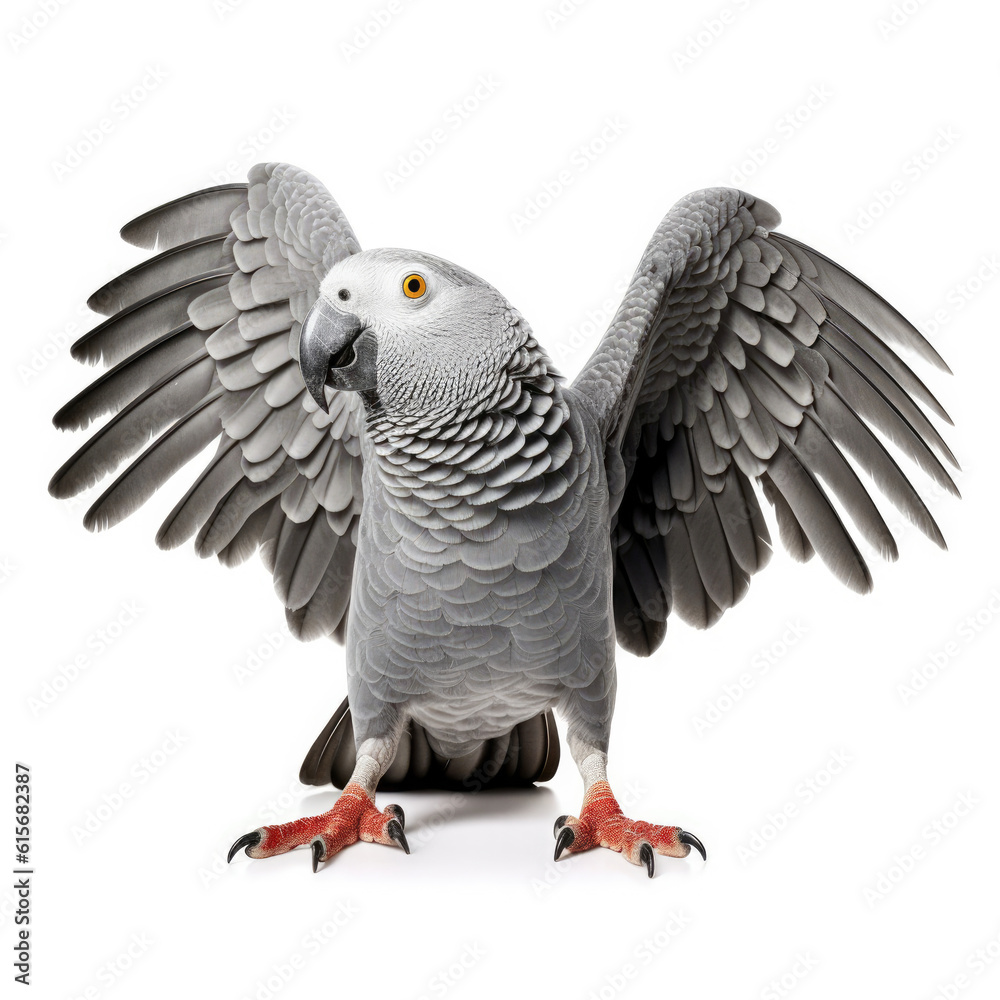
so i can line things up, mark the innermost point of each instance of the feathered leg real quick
(353, 817)
(601, 822)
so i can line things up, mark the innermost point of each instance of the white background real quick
(131, 897)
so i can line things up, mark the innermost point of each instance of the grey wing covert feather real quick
(742, 355)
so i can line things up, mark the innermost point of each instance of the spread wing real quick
(201, 346)
(742, 355)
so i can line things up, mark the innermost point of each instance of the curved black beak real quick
(335, 349)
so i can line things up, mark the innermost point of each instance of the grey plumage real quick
(183, 220)
(172, 396)
(480, 532)
(145, 321)
(529, 752)
(130, 378)
(173, 266)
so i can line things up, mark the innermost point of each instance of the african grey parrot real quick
(425, 487)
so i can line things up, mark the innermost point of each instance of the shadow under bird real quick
(427, 489)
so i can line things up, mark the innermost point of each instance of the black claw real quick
(395, 830)
(397, 811)
(646, 858)
(559, 822)
(564, 840)
(251, 839)
(692, 841)
(317, 849)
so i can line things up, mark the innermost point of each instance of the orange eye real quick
(414, 286)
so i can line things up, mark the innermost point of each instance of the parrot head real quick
(419, 337)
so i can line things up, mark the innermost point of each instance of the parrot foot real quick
(353, 817)
(602, 824)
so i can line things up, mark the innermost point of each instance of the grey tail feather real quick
(529, 753)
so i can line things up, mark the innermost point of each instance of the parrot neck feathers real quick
(514, 444)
